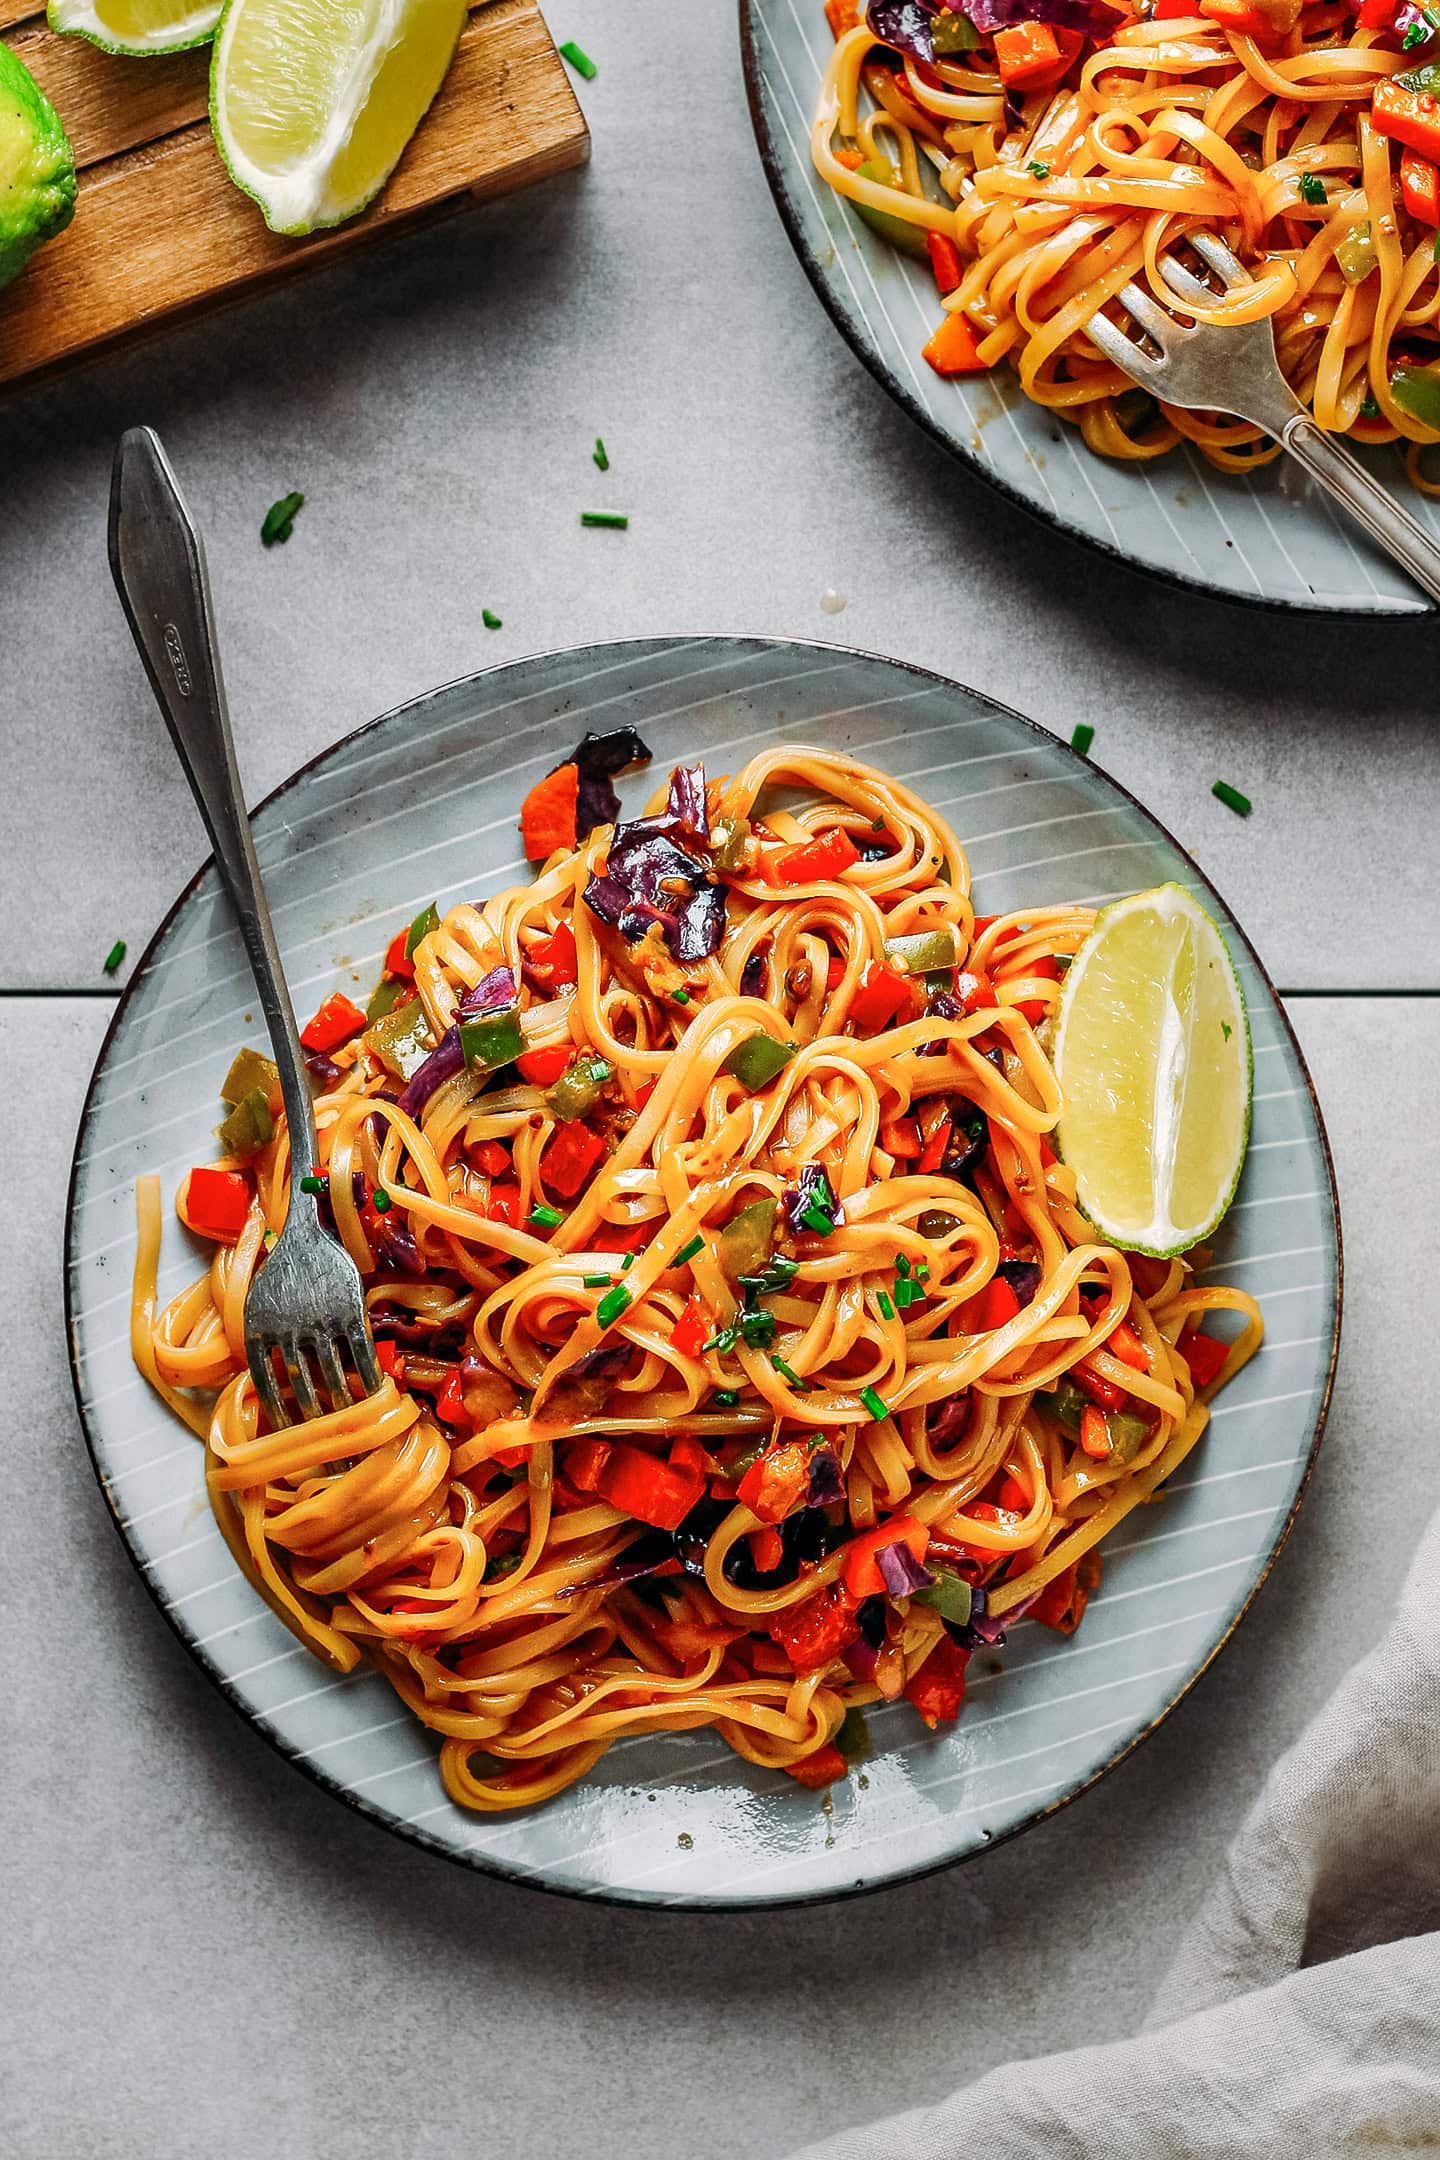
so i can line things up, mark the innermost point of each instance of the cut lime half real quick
(37, 170)
(312, 104)
(137, 27)
(1152, 1052)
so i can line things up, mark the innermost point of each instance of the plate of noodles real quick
(965, 188)
(760, 1413)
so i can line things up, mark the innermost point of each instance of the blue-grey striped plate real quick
(423, 805)
(1269, 537)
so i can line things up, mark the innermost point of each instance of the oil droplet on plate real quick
(685, 1841)
(831, 602)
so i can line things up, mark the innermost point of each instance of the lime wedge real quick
(1152, 1052)
(312, 104)
(139, 27)
(37, 171)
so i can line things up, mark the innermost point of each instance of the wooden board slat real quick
(162, 235)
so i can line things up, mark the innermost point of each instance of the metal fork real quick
(308, 1297)
(1220, 368)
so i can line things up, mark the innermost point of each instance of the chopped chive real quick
(271, 1240)
(920, 1270)
(597, 1282)
(380, 1200)
(279, 519)
(548, 1216)
(1232, 798)
(1312, 188)
(815, 1218)
(627, 1263)
(1082, 738)
(1369, 410)
(611, 1306)
(114, 957)
(1039, 168)
(600, 456)
(610, 518)
(688, 1252)
(788, 1372)
(722, 1340)
(315, 1184)
(902, 1263)
(877, 824)
(682, 997)
(757, 1328)
(1435, 253)
(875, 1403)
(882, 1299)
(579, 59)
(725, 1398)
(908, 1292)
(1415, 35)
(490, 619)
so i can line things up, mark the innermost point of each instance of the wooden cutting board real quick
(161, 234)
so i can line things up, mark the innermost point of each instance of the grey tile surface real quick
(208, 1954)
(437, 403)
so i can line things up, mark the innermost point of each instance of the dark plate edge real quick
(1173, 580)
(498, 1869)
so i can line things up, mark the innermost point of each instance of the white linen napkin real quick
(1301, 2019)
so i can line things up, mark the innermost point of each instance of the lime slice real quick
(1152, 1051)
(139, 27)
(312, 103)
(37, 171)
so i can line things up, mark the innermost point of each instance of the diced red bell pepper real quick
(686, 1637)
(991, 1307)
(935, 1146)
(337, 1020)
(975, 990)
(954, 348)
(217, 1203)
(692, 1330)
(987, 1511)
(1376, 14)
(570, 1157)
(1420, 187)
(834, 972)
(397, 960)
(1126, 1345)
(767, 1548)
(542, 1068)
(883, 992)
(687, 1453)
(504, 1205)
(938, 1689)
(1013, 1495)
(552, 960)
(548, 813)
(776, 1482)
(944, 261)
(491, 1157)
(842, 15)
(826, 856)
(1238, 15)
(814, 1632)
(1062, 1601)
(1032, 55)
(652, 1491)
(1035, 1009)
(450, 1403)
(862, 1571)
(1410, 116)
(584, 1462)
(623, 1237)
(900, 1137)
(1095, 1433)
(1205, 1355)
(388, 1357)
(1097, 1387)
(1175, 10)
(825, 1767)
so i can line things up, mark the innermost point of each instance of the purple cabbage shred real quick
(811, 1189)
(444, 1061)
(322, 1069)
(1023, 1277)
(901, 1571)
(494, 993)
(598, 759)
(826, 1486)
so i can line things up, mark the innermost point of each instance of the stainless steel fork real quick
(1213, 367)
(307, 1300)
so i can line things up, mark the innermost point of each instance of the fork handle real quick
(1342, 475)
(158, 564)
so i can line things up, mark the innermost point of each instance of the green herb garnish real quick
(114, 957)
(380, 1200)
(279, 520)
(688, 1251)
(597, 1282)
(548, 1217)
(725, 1398)
(314, 1184)
(609, 518)
(490, 619)
(600, 456)
(1312, 188)
(611, 1306)
(788, 1372)
(887, 1309)
(875, 1403)
(1040, 170)
(1232, 798)
(579, 59)
(1082, 738)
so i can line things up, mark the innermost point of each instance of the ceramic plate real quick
(1271, 537)
(423, 804)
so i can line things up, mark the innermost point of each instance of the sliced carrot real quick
(954, 350)
(547, 815)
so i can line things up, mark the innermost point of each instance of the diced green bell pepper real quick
(1356, 254)
(250, 1070)
(953, 32)
(923, 952)
(730, 843)
(1128, 1434)
(950, 1596)
(578, 1089)
(756, 1061)
(427, 920)
(492, 1041)
(249, 1126)
(401, 1040)
(1417, 390)
(743, 1246)
(1065, 1403)
(898, 231)
(385, 996)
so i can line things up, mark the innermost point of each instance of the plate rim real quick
(485, 1864)
(870, 358)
